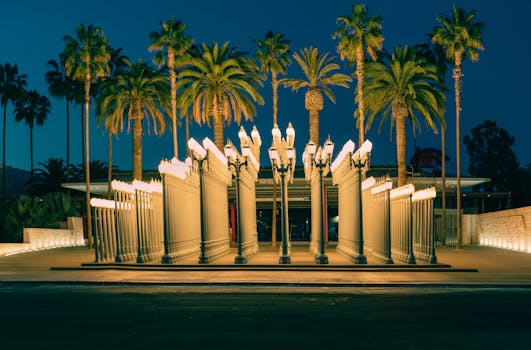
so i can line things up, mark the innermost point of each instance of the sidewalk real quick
(496, 267)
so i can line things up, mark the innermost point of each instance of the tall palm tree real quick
(359, 34)
(116, 64)
(273, 55)
(319, 77)
(33, 109)
(138, 94)
(460, 36)
(12, 85)
(86, 58)
(49, 177)
(220, 83)
(171, 39)
(404, 86)
(436, 56)
(62, 86)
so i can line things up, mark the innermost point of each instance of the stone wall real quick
(510, 229)
(42, 238)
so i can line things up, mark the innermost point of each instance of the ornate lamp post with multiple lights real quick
(282, 156)
(237, 161)
(360, 159)
(321, 160)
(199, 155)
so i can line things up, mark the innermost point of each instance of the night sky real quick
(496, 87)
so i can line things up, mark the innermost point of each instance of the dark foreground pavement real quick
(128, 317)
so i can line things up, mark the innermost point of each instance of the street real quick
(151, 317)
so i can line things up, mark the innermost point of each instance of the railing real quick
(182, 226)
(377, 217)
(104, 229)
(401, 224)
(423, 225)
(126, 223)
(149, 218)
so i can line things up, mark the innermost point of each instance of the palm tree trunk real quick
(4, 154)
(457, 87)
(360, 72)
(173, 78)
(109, 170)
(82, 135)
(218, 128)
(443, 176)
(137, 148)
(67, 140)
(274, 85)
(187, 131)
(31, 150)
(314, 126)
(401, 149)
(87, 161)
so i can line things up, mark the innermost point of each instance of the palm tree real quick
(49, 177)
(12, 85)
(273, 56)
(33, 108)
(116, 63)
(60, 85)
(317, 70)
(220, 83)
(172, 39)
(436, 56)
(86, 58)
(403, 86)
(460, 36)
(138, 93)
(357, 35)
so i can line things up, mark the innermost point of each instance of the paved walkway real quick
(496, 267)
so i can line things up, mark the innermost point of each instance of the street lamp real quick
(237, 162)
(320, 160)
(282, 156)
(199, 155)
(360, 159)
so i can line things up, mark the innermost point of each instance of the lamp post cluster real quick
(320, 159)
(360, 160)
(282, 156)
(237, 162)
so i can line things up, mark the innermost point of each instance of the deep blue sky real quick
(496, 87)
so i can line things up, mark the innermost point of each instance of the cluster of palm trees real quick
(30, 107)
(216, 84)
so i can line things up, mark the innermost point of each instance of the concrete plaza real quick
(471, 266)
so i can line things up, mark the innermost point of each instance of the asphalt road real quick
(87, 317)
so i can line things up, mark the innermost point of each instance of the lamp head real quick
(290, 134)
(310, 147)
(329, 147)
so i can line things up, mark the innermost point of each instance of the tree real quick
(404, 86)
(317, 70)
(357, 35)
(86, 58)
(427, 160)
(461, 37)
(273, 55)
(492, 156)
(12, 85)
(173, 40)
(219, 83)
(33, 108)
(138, 94)
(49, 177)
(61, 86)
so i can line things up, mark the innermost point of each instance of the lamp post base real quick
(321, 259)
(360, 259)
(240, 259)
(284, 259)
(202, 260)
